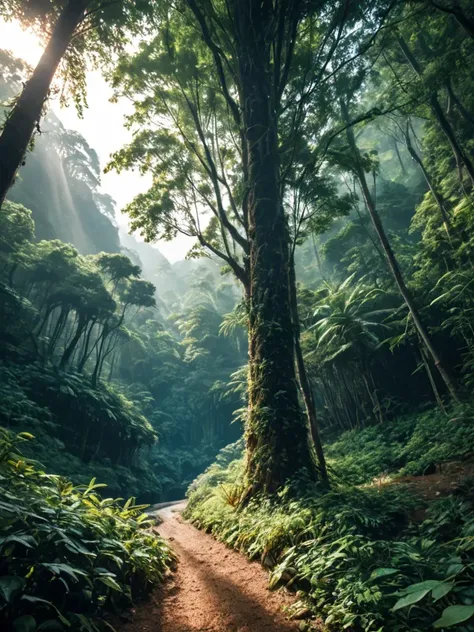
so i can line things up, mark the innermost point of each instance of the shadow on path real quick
(214, 590)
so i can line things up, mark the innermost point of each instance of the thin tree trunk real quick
(85, 352)
(106, 331)
(318, 258)
(437, 196)
(58, 330)
(276, 432)
(459, 15)
(468, 117)
(304, 380)
(399, 158)
(431, 379)
(42, 324)
(81, 324)
(11, 274)
(25, 115)
(392, 260)
(459, 154)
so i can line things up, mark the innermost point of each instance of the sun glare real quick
(22, 43)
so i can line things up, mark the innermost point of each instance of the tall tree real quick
(360, 172)
(461, 156)
(220, 124)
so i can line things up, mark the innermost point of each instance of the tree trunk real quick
(58, 330)
(85, 354)
(430, 376)
(459, 15)
(437, 196)
(391, 259)
(81, 325)
(304, 380)
(467, 116)
(460, 155)
(25, 115)
(318, 258)
(276, 433)
(399, 158)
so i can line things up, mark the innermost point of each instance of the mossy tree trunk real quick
(276, 433)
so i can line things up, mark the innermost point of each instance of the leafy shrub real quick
(67, 556)
(352, 552)
(407, 446)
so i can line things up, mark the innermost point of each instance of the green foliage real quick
(410, 445)
(83, 431)
(68, 556)
(354, 553)
(104, 30)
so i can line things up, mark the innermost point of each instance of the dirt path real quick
(214, 589)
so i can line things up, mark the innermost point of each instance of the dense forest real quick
(304, 376)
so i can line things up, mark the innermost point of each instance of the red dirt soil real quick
(214, 589)
(446, 480)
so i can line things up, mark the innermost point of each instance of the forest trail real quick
(214, 588)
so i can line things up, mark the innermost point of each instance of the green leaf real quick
(86, 622)
(454, 569)
(51, 625)
(26, 435)
(410, 599)
(383, 572)
(428, 584)
(37, 600)
(110, 582)
(442, 590)
(25, 623)
(10, 587)
(57, 569)
(454, 615)
(25, 540)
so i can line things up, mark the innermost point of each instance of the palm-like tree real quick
(344, 317)
(347, 331)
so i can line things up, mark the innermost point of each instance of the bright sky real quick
(102, 127)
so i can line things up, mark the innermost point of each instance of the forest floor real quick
(446, 480)
(214, 589)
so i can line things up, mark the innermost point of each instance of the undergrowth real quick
(81, 432)
(68, 556)
(407, 446)
(354, 554)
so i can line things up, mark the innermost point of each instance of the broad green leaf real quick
(57, 569)
(454, 615)
(428, 584)
(442, 590)
(25, 540)
(86, 622)
(25, 623)
(110, 582)
(51, 625)
(383, 572)
(454, 569)
(10, 587)
(37, 600)
(410, 599)
(26, 435)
